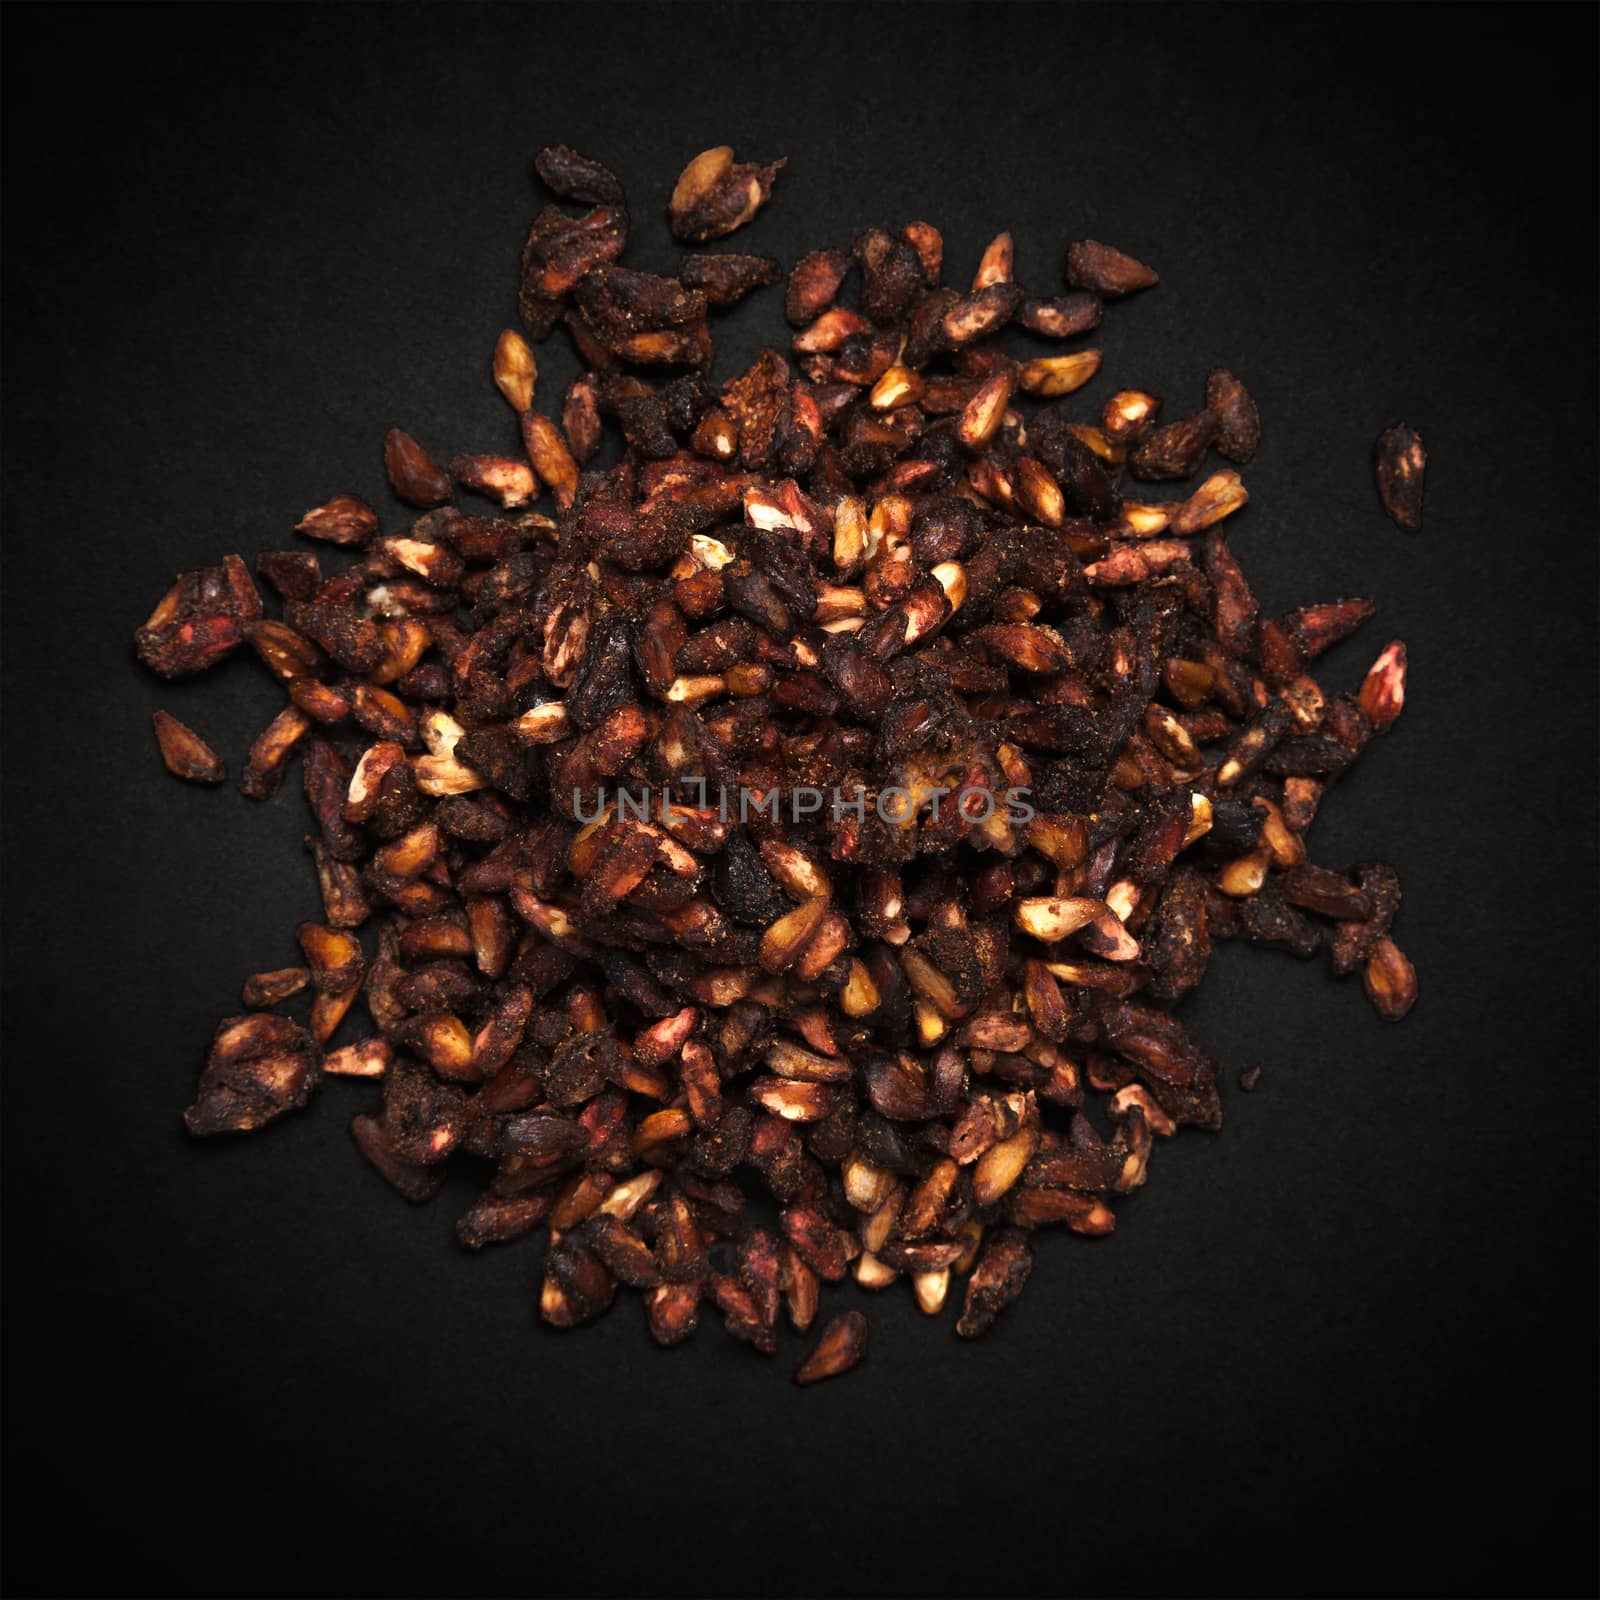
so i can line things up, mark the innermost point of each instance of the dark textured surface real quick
(1345, 1347)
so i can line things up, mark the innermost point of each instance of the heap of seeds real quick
(823, 806)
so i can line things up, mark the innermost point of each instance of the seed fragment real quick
(264, 989)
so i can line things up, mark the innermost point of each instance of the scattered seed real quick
(412, 473)
(1107, 272)
(1400, 463)
(185, 753)
(715, 194)
(1238, 422)
(842, 1345)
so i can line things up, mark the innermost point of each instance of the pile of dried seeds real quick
(609, 787)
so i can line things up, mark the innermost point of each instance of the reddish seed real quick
(1383, 693)
(185, 753)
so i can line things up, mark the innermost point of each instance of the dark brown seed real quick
(185, 753)
(564, 172)
(841, 1346)
(498, 1219)
(1327, 893)
(673, 1311)
(813, 284)
(412, 473)
(1238, 422)
(502, 478)
(891, 275)
(726, 280)
(580, 419)
(1400, 463)
(416, 1181)
(1176, 450)
(1107, 272)
(295, 574)
(982, 313)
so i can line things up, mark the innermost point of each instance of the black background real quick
(1344, 1347)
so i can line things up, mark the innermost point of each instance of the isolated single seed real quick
(1383, 692)
(185, 753)
(841, 1346)
(413, 474)
(343, 520)
(1400, 462)
(1109, 273)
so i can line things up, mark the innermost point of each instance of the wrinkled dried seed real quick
(1109, 273)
